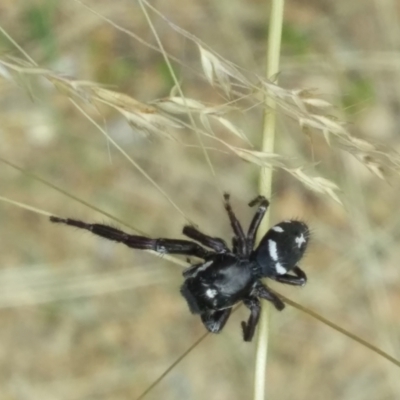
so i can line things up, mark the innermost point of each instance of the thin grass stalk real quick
(178, 86)
(265, 184)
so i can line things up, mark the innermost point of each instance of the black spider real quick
(226, 277)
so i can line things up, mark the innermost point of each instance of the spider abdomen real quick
(281, 248)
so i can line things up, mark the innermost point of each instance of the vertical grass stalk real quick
(265, 184)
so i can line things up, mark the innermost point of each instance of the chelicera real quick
(226, 276)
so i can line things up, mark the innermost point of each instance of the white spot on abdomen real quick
(273, 252)
(300, 240)
(280, 270)
(277, 229)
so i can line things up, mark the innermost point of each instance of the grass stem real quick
(265, 184)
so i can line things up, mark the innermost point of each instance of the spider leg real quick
(214, 321)
(299, 280)
(263, 204)
(217, 244)
(235, 245)
(249, 327)
(240, 238)
(265, 293)
(163, 246)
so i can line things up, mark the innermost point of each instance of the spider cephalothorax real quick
(226, 277)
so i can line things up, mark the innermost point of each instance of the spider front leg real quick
(214, 321)
(249, 328)
(239, 240)
(162, 246)
(263, 204)
(299, 280)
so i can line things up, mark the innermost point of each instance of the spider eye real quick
(282, 247)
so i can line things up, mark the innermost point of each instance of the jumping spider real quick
(226, 277)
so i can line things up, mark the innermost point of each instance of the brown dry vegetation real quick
(81, 318)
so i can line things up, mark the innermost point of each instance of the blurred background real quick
(83, 318)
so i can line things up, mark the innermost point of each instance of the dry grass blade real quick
(372, 164)
(25, 206)
(342, 331)
(309, 97)
(34, 177)
(40, 285)
(179, 105)
(214, 62)
(17, 46)
(232, 128)
(295, 305)
(5, 73)
(212, 67)
(321, 123)
(298, 104)
(273, 160)
(182, 105)
(129, 33)
(316, 184)
(261, 158)
(143, 4)
(295, 102)
(24, 67)
(172, 366)
(140, 115)
(145, 118)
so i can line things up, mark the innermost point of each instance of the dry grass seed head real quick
(155, 118)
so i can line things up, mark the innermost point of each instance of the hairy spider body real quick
(227, 277)
(216, 284)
